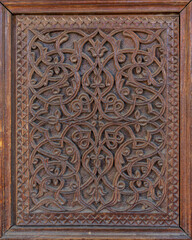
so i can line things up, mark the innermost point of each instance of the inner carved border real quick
(98, 34)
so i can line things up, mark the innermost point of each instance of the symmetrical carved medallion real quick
(97, 120)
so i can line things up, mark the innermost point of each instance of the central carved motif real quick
(97, 120)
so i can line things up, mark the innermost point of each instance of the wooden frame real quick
(8, 10)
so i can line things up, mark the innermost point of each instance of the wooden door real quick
(96, 120)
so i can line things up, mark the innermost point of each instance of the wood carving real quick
(97, 120)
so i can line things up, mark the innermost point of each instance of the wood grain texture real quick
(5, 119)
(95, 233)
(186, 119)
(99, 233)
(112, 6)
(184, 230)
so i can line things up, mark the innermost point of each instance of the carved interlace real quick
(100, 112)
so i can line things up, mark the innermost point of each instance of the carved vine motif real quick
(97, 117)
(97, 120)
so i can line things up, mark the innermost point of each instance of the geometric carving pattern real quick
(97, 120)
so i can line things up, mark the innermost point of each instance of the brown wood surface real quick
(95, 233)
(22, 198)
(5, 119)
(186, 119)
(92, 101)
(92, 6)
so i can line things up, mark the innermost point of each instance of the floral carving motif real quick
(97, 115)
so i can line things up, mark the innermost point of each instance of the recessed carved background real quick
(101, 117)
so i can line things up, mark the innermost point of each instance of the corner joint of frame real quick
(186, 233)
(190, 1)
(3, 5)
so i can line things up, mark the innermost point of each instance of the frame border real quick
(186, 119)
(184, 7)
(5, 119)
(93, 6)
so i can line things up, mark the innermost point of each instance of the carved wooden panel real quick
(97, 120)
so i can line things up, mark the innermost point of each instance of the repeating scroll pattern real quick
(97, 121)
(97, 116)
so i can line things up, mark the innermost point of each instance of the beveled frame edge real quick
(7, 231)
(93, 6)
(95, 233)
(186, 119)
(5, 119)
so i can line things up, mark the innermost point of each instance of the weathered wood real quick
(186, 119)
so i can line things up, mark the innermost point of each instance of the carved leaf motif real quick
(137, 127)
(58, 126)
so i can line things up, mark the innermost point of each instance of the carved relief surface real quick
(97, 120)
